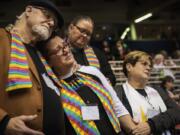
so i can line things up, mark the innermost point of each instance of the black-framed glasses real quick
(83, 31)
(59, 49)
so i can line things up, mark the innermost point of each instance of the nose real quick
(148, 67)
(66, 50)
(84, 34)
(51, 23)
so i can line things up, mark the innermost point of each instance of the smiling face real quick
(59, 55)
(80, 33)
(41, 21)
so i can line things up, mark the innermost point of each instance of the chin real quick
(41, 31)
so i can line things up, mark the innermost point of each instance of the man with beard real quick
(28, 89)
(78, 35)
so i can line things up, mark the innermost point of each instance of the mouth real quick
(147, 73)
(69, 57)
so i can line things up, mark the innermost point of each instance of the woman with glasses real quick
(90, 104)
(157, 113)
(78, 35)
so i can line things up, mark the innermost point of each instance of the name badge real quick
(50, 84)
(90, 112)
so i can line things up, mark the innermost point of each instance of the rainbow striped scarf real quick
(48, 69)
(72, 103)
(91, 57)
(18, 75)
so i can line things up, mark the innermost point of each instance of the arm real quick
(127, 123)
(119, 108)
(4, 62)
(15, 125)
(168, 119)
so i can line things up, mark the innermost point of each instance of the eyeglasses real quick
(83, 31)
(59, 50)
(145, 63)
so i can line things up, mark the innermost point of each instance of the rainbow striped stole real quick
(91, 57)
(72, 102)
(18, 74)
(105, 99)
(48, 69)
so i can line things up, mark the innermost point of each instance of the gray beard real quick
(41, 31)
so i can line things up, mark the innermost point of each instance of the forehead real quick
(145, 58)
(47, 12)
(54, 42)
(85, 23)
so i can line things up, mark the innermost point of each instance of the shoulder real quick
(89, 69)
(4, 39)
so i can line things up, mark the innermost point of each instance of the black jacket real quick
(105, 68)
(161, 122)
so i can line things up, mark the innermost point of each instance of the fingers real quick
(17, 126)
(26, 129)
(29, 131)
(26, 118)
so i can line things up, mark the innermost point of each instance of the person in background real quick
(160, 66)
(120, 50)
(156, 111)
(78, 35)
(107, 50)
(167, 84)
(29, 101)
(91, 105)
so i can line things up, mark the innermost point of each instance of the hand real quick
(142, 128)
(17, 126)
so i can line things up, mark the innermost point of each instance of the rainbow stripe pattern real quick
(72, 103)
(91, 57)
(18, 75)
(48, 69)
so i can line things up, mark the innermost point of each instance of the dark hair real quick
(42, 45)
(133, 57)
(82, 17)
(166, 79)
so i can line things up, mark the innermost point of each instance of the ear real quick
(129, 67)
(28, 10)
(71, 27)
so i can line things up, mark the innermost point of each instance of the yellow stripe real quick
(18, 57)
(17, 41)
(18, 48)
(15, 65)
(11, 88)
(11, 76)
(72, 108)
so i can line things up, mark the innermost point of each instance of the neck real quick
(25, 33)
(63, 73)
(136, 83)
